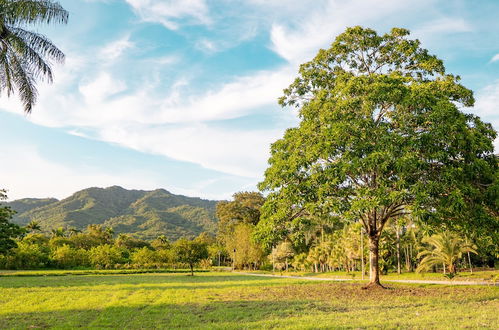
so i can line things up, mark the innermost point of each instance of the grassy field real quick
(225, 301)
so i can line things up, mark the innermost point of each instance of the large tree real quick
(26, 56)
(245, 208)
(382, 134)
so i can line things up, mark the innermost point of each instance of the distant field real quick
(224, 300)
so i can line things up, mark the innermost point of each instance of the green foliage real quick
(245, 208)
(129, 242)
(381, 135)
(244, 252)
(143, 214)
(27, 256)
(67, 257)
(190, 252)
(106, 256)
(27, 56)
(443, 249)
(144, 257)
(282, 254)
(8, 231)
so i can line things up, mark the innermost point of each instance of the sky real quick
(182, 95)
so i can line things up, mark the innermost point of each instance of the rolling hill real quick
(144, 214)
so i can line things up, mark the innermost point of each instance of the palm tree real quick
(58, 232)
(444, 249)
(26, 56)
(33, 226)
(73, 231)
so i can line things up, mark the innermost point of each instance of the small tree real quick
(144, 257)
(283, 252)
(444, 249)
(190, 252)
(33, 226)
(105, 256)
(67, 257)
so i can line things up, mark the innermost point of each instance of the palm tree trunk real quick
(398, 250)
(469, 260)
(362, 251)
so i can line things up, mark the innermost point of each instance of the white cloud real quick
(176, 126)
(232, 100)
(169, 12)
(495, 58)
(101, 88)
(31, 175)
(299, 40)
(115, 49)
(487, 107)
(443, 26)
(240, 153)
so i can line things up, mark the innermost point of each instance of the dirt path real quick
(396, 281)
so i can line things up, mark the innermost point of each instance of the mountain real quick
(144, 214)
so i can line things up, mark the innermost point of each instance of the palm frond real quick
(25, 84)
(31, 58)
(23, 12)
(40, 44)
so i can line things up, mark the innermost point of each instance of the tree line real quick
(97, 247)
(321, 244)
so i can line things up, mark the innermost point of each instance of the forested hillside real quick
(144, 214)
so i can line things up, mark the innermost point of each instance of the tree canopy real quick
(8, 230)
(382, 134)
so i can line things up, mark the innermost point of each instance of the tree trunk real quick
(362, 251)
(373, 262)
(469, 260)
(398, 250)
(192, 269)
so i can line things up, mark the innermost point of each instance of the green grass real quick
(229, 301)
(66, 272)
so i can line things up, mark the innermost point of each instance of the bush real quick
(27, 256)
(67, 257)
(106, 256)
(144, 257)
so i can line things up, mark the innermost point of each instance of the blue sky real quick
(182, 94)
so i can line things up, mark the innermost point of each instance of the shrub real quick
(106, 256)
(67, 257)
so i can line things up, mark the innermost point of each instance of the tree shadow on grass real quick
(183, 281)
(227, 314)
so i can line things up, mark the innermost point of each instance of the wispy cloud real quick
(116, 48)
(170, 12)
(30, 173)
(443, 26)
(495, 58)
